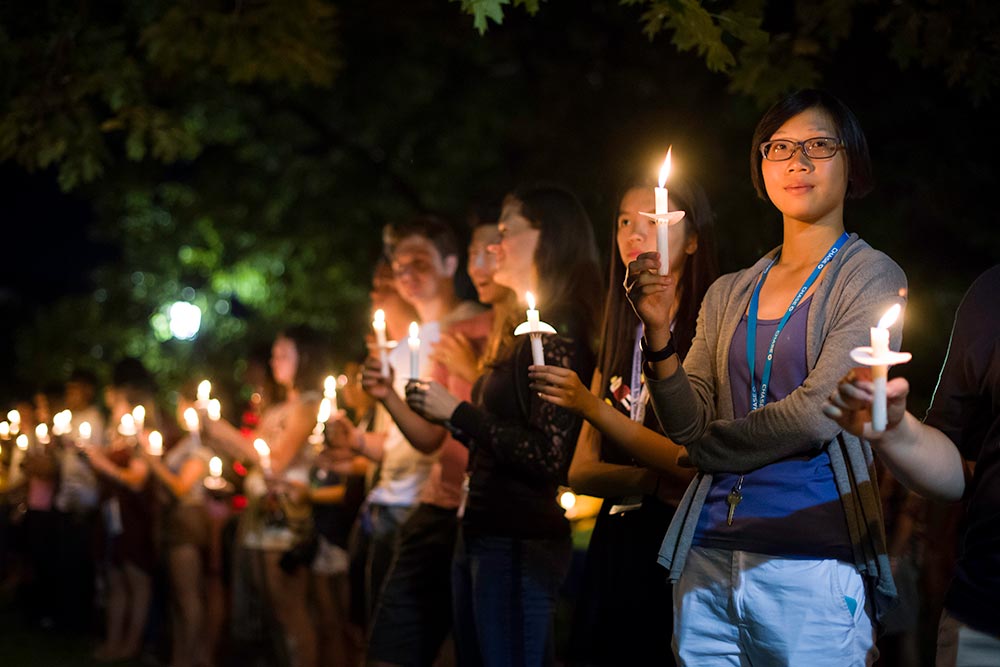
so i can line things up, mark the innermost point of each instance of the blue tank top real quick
(790, 508)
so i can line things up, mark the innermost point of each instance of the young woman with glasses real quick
(777, 549)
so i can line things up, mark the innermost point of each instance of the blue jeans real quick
(505, 592)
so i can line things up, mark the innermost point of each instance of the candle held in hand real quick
(414, 342)
(378, 324)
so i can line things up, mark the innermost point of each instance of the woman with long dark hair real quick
(640, 492)
(514, 545)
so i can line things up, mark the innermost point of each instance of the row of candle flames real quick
(131, 424)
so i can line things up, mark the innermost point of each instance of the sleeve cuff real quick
(466, 419)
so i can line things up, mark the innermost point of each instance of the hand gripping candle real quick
(880, 358)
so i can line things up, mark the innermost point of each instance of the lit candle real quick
(14, 417)
(84, 430)
(127, 425)
(329, 396)
(214, 409)
(204, 392)
(22, 442)
(414, 342)
(139, 416)
(879, 357)
(155, 443)
(4, 430)
(378, 324)
(264, 454)
(880, 372)
(191, 420)
(62, 422)
(534, 327)
(663, 224)
(215, 467)
(325, 410)
(14, 475)
(42, 434)
(537, 352)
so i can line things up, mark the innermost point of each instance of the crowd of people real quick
(414, 520)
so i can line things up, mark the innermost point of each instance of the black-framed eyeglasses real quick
(817, 148)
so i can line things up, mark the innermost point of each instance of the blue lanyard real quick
(758, 397)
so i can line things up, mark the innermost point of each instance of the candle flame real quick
(330, 386)
(379, 318)
(325, 410)
(261, 447)
(42, 431)
(665, 169)
(22, 442)
(139, 414)
(530, 300)
(214, 409)
(14, 416)
(4, 429)
(84, 430)
(215, 467)
(414, 330)
(890, 317)
(155, 443)
(204, 390)
(191, 419)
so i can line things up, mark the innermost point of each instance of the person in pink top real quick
(413, 616)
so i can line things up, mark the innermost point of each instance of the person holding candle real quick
(185, 534)
(424, 255)
(784, 510)
(951, 456)
(129, 553)
(414, 614)
(513, 548)
(640, 480)
(277, 526)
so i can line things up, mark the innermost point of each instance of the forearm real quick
(422, 434)
(231, 439)
(647, 446)
(328, 495)
(923, 459)
(605, 480)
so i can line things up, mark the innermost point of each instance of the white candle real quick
(191, 420)
(126, 426)
(263, 453)
(537, 352)
(325, 410)
(215, 467)
(155, 443)
(880, 372)
(662, 208)
(378, 324)
(22, 442)
(14, 475)
(214, 409)
(414, 342)
(204, 392)
(84, 430)
(139, 416)
(42, 434)
(4, 430)
(14, 417)
(62, 422)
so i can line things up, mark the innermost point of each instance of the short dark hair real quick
(436, 230)
(859, 165)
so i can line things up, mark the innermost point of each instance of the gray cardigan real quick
(695, 406)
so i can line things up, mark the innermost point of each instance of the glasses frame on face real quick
(804, 146)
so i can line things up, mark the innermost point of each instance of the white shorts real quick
(738, 608)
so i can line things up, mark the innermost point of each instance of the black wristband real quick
(652, 356)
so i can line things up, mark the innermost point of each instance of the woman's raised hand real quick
(850, 403)
(454, 352)
(431, 400)
(562, 387)
(651, 295)
(372, 380)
